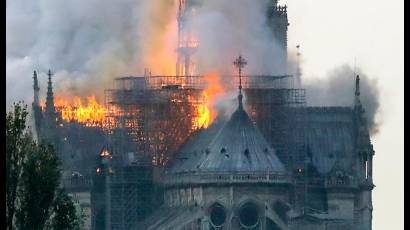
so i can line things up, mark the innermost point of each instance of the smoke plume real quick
(85, 43)
(225, 30)
(338, 88)
(88, 43)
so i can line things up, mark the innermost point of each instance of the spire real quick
(50, 96)
(298, 72)
(358, 108)
(240, 63)
(36, 89)
(357, 102)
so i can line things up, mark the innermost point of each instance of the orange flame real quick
(206, 111)
(91, 114)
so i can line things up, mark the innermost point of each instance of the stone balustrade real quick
(223, 177)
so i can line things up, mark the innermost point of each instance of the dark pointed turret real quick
(36, 89)
(357, 102)
(358, 108)
(37, 113)
(50, 109)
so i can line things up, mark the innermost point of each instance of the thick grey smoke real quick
(85, 43)
(225, 29)
(338, 88)
(88, 43)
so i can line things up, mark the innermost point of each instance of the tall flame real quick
(90, 114)
(206, 111)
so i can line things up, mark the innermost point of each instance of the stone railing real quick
(224, 177)
(77, 183)
(341, 182)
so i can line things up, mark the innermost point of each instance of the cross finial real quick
(240, 62)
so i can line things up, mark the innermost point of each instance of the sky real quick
(368, 34)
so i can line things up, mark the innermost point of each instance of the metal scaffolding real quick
(157, 112)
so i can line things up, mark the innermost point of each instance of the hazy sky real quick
(334, 32)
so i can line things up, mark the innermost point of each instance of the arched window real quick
(249, 216)
(217, 216)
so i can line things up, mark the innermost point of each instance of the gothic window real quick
(249, 216)
(217, 216)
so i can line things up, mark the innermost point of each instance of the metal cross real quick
(240, 63)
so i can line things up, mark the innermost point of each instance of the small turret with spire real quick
(357, 103)
(37, 113)
(36, 89)
(50, 109)
(357, 92)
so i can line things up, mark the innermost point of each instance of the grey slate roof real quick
(237, 147)
(328, 132)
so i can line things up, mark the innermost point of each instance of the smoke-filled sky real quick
(88, 43)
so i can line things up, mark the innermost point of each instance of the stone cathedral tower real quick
(277, 19)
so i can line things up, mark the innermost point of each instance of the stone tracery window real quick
(249, 216)
(217, 216)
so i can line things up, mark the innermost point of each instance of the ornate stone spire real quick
(36, 89)
(50, 96)
(240, 63)
(357, 92)
(357, 103)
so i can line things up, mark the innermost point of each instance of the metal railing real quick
(224, 177)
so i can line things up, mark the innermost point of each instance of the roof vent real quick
(227, 156)
(223, 150)
(246, 152)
